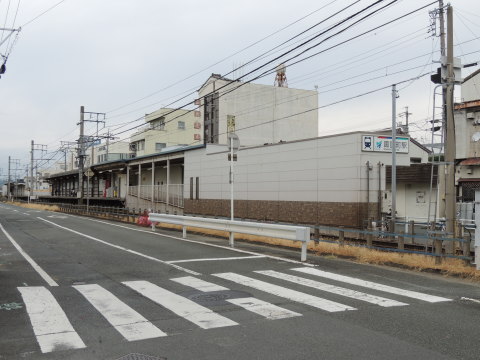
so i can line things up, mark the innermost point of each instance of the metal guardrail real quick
(295, 233)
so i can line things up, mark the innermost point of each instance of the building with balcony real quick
(166, 128)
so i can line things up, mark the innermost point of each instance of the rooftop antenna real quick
(281, 77)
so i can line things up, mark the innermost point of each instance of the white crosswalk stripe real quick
(189, 310)
(381, 301)
(199, 284)
(263, 308)
(372, 285)
(286, 293)
(53, 330)
(123, 318)
(50, 323)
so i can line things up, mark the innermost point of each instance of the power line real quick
(43, 13)
(350, 17)
(226, 58)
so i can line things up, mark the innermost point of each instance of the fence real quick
(430, 243)
(159, 193)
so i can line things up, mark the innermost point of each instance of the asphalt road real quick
(79, 288)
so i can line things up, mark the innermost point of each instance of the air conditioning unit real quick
(476, 122)
(469, 171)
(132, 147)
(470, 115)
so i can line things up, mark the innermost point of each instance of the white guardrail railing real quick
(295, 233)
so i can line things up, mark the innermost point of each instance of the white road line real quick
(470, 299)
(32, 262)
(198, 242)
(123, 318)
(293, 295)
(50, 324)
(263, 308)
(26, 214)
(217, 259)
(121, 248)
(377, 300)
(373, 285)
(199, 284)
(189, 310)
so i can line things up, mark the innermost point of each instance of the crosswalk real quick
(54, 331)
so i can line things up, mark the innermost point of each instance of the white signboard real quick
(384, 143)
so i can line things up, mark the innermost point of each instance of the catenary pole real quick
(81, 156)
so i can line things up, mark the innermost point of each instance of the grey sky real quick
(106, 54)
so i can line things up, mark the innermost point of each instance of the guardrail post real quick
(401, 241)
(231, 239)
(303, 256)
(438, 251)
(369, 235)
(153, 227)
(341, 237)
(184, 230)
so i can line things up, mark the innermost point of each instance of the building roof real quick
(475, 73)
(413, 174)
(470, 161)
(215, 77)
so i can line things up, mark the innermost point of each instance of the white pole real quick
(232, 236)
(477, 230)
(394, 157)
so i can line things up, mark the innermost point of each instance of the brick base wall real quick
(297, 212)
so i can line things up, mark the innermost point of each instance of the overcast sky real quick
(109, 54)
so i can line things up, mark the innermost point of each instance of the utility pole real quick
(450, 193)
(34, 147)
(65, 147)
(93, 117)
(441, 167)
(394, 157)
(8, 186)
(81, 155)
(31, 172)
(406, 114)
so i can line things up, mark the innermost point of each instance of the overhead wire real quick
(43, 13)
(226, 58)
(286, 53)
(422, 7)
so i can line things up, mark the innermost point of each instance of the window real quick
(181, 125)
(161, 124)
(415, 160)
(160, 146)
(141, 145)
